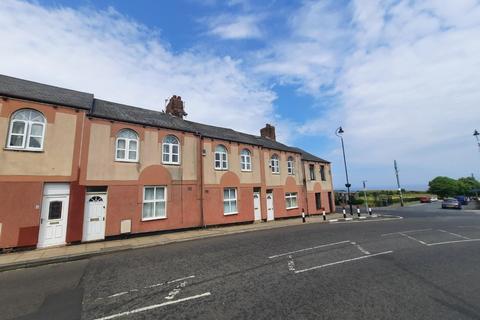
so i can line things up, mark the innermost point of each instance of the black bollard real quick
(303, 216)
(324, 217)
(344, 213)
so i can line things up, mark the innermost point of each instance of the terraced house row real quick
(75, 168)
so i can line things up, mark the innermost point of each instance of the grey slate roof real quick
(310, 157)
(23, 89)
(29, 90)
(120, 112)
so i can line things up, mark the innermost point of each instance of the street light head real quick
(339, 131)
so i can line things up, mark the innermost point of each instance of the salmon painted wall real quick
(20, 213)
(125, 202)
(213, 201)
(59, 159)
(75, 212)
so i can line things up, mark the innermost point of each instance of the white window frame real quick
(222, 162)
(170, 152)
(127, 147)
(275, 164)
(290, 166)
(290, 196)
(230, 201)
(27, 132)
(246, 160)
(154, 201)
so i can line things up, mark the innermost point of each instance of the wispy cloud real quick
(235, 27)
(105, 53)
(405, 76)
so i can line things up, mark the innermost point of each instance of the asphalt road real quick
(425, 266)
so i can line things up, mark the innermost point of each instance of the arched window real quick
(221, 158)
(127, 146)
(171, 150)
(290, 165)
(245, 160)
(27, 130)
(275, 164)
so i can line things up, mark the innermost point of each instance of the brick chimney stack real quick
(175, 107)
(268, 132)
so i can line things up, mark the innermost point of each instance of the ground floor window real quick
(230, 201)
(291, 200)
(154, 202)
(318, 200)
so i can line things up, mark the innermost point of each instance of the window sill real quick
(127, 161)
(216, 169)
(276, 173)
(153, 219)
(230, 213)
(171, 163)
(292, 208)
(24, 150)
(246, 170)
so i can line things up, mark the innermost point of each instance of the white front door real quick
(270, 213)
(53, 221)
(94, 221)
(256, 206)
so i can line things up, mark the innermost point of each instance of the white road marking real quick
(180, 279)
(348, 219)
(407, 231)
(147, 287)
(118, 294)
(455, 234)
(454, 241)
(176, 291)
(414, 239)
(155, 306)
(343, 261)
(307, 249)
(362, 250)
(475, 227)
(333, 220)
(291, 264)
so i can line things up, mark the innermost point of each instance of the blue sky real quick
(401, 77)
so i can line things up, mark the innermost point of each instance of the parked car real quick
(428, 199)
(463, 200)
(451, 203)
(425, 199)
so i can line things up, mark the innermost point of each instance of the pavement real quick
(38, 257)
(424, 266)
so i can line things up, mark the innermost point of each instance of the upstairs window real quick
(275, 164)
(171, 150)
(290, 165)
(27, 130)
(221, 158)
(322, 173)
(312, 171)
(127, 146)
(245, 160)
